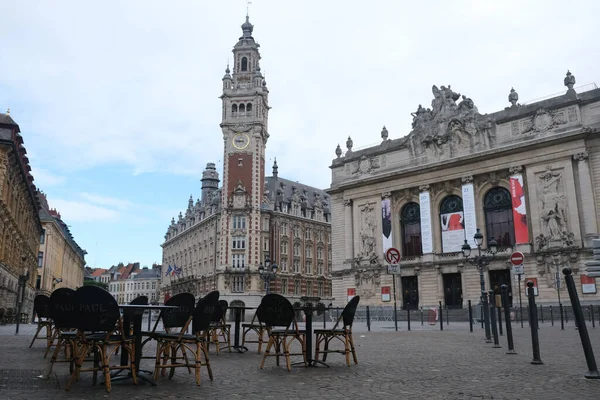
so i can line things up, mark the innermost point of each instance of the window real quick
(320, 253)
(284, 248)
(38, 282)
(309, 289)
(296, 266)
(237, 284)
(43, 236)
(320, 236)
(147, 285)
(410, 224)
(249, 109)
(266, 245)
(297, 291)
(284, 207)
(319, 268)
(239, 243)
(284, 286)
(244, 64)
(296, 231)
(153, 296)
(308, 267)
(497, 205)
(297, 249)
(242, 109)
(283, 265)
(40, 259)
(308, 252)
(239, 222)
(307, 234)
(238, 260)
(240, 162)
(320, 289)
(234, 110)
(153, 285)
(284, 228)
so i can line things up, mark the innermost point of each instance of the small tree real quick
(95, 283)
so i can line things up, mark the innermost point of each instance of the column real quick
(349, 230)
(426, 232)
(590, 224)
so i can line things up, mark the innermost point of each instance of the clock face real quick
(241, 140)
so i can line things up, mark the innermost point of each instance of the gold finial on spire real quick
(8, 110)
(248, 2)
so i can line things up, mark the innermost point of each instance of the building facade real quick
(231, 230)
(527, 176)
(20, 226)
(61, 262)
(126, 282)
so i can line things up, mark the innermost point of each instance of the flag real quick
(169, 270)
(178, 271)
(174, 270)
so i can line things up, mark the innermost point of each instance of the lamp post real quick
(556, 258)
(267, 275)
(56, 281)
(481, 261)
(21, 292)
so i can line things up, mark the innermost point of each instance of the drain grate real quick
(26, 379)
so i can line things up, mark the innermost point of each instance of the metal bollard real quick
(542, 313)
(408, 314)
(551, 316)
(493, 322)
(583, 333)
(447, 318)
(500, 321)
(325, 318)
(368, 320)
(421, 316)
(481, 314)
(593, 322)
(590, 313)
(470, 317)
(509, 336)
(535, 340)
(441, 317)
(562, 317)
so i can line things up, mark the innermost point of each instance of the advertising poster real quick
(468, 196)
(386, 224)
(386, 293)
(426, 234)
(351, 293)
(588, 285)
(453, 231)
(535, 287)
(519, 211)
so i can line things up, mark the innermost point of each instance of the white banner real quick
(386, 224)
(426, 233)
(453, 231)
(470, 222)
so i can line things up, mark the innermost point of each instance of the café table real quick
(237, 312)
(308, 328)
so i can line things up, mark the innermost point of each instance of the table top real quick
(146, 306)
(240, 308)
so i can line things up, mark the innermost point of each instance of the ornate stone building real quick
(225, 235)
(20, 227)
(527, 176)
(61, 262)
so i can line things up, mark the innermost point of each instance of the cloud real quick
(112, 202)
(44, 178)
(77, 211)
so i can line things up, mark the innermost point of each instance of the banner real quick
(386, 224)
(535, 287)
(468, 196)
(351, 293)
(426, 234)
(385, 293)
(519, 210)
(588, 285)
(453, 231)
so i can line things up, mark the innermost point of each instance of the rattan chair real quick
(173, 348)
(219, 328)
(41, 308)
(64, 320)
(276, 311)
(344, 334)
(257, 327)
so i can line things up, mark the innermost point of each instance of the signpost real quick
(516, 259)
(392, 256)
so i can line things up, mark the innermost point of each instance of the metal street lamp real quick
(557, 258)
(267, 275)
(481, 261)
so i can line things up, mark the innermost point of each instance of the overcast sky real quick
(118, 100)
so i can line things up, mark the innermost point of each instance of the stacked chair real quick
(257, 327)
(219, 326)
(64, 333)
(344, 334)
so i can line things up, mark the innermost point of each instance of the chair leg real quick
(159, 350)
(261, 334)
(78, 363)
(132, 362)
(286, 352)
(326, 349)
(351, 339)
(317, 345)
(174, 349)
(55, 356)
(267, 350)
(55, 336)
(185, 359)
(207, 361)
(303, 340)
(347, 349)
(39, 328)
(105, 367)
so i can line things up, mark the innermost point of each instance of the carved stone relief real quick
(367, 230)
(366, 165)
(544, 120)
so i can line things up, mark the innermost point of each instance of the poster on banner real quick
(588, 285)
(351, 293)
(426, 233)
(517, 195)
(386, 224)
(535, 286)
(453, 231)
(470, 222)
(386, 294)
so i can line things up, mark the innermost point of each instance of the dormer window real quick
(244, 64)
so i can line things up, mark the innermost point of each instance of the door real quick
(453, 290)
(410, 292)
(497, 279)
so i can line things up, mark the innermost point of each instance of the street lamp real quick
(481, 261)
(56, 281)
(21, 292)
(267, 275)
(556, 258)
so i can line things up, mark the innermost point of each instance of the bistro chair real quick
(257, 327)
(64, 320)
(129, 315)
(343, 334)
(41, 308)
(219, 326)
(169, 344)
(276, 311)
(100, 331)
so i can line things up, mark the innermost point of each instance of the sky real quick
(118, 104)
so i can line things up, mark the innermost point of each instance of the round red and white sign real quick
(517, 258)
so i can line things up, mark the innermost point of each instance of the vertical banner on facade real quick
(386, 224)
(351, 293)
(519, 211)
(588, 285)
(453, 231)
(426, 233)
(470, 223)
(385, 293)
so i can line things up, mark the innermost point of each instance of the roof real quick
(124, 271)
(7, 119)
(98, 272)
(45, 216)
(287, 190)
(146, 273)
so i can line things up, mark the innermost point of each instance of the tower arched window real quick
(497, 205)
(249, 109)
(234, 110)
(242, 109)
(452, 224)
(410, 224)
(244, 64)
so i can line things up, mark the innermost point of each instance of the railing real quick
(579, 89)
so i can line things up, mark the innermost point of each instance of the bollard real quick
(551, 316)
(535, 341)
(481, 314)
(408, 315)
(590, 313)
(500, 321)
(447, 318)
(562, 318)
(149, 319)
(441, 317)
(368, 320)
(325, 318)
(421, 316)
(566, 317)
(593, 322)
(541, 313)
(583, 333)
(509, 336)
(486, 316)
(470, 317)
(493, 322)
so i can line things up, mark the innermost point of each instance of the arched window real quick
(452, 223)
(497, 206)
(244, 64)
(410, 223)
(242, 109)
(249, 109)
(234, 110)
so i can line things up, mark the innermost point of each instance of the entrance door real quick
(410, 292)
(497, 279)
(452, 290)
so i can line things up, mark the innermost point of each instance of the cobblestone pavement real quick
(421, 364)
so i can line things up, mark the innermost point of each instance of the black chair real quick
(257, 327)
(41, 308)
(219, 326)
(64, 320)
(343, 334)
(169, 344)
(98, 321)
(277, 311)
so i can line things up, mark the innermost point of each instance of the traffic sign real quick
(392, 255)
(393, 269)
(518, 269)
(517, 258)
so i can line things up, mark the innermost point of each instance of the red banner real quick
(386, 293)
(588, 285)
(519, 211)
(351, 293)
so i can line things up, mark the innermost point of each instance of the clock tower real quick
(244, 125)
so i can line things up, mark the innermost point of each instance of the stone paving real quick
(422, 364)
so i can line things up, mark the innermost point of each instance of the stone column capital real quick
(424, 188)
(386, 195)
(516, 169)
(348, 202)
(467, 179)
(581, 157)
